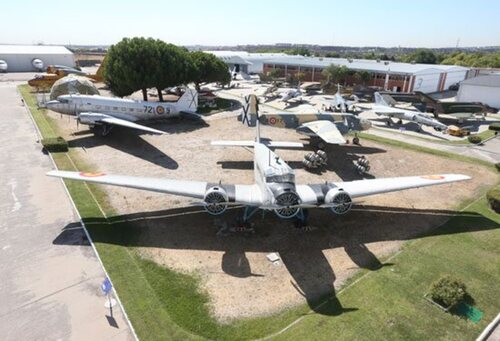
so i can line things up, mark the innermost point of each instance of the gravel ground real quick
(234, 269)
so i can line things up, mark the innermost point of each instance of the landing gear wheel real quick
(355, 140)
(400, 121)
(104, 130)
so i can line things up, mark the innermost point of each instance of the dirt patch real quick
(235, 272)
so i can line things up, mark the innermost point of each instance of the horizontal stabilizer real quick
(251, 144)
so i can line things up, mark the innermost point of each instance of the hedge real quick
(55, 144)
(494, 126)
(475, 139)
(493, 196)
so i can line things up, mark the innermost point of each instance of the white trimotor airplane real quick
(274, 188)
(105, 112)
(381, 107)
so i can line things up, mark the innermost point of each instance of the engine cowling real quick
(215, 200)
(287, 199)
(340, 198)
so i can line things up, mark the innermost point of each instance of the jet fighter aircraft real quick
(274, 188)
(105, 112)
(381, 107)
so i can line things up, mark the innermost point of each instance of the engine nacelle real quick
(90, 118)
(340, 198)
(290, 201)
(215, 200)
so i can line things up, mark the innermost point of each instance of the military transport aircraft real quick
(381, 107)
(274, 188)
(105, 112)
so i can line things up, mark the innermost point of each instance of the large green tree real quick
(141, 63)
(335, 74)
(423, 56)
(207, 68)
(131, 65)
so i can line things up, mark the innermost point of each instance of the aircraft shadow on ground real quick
(129, 142)
(340, 161)
(302, 253)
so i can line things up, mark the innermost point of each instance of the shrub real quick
(494, 126)
(497, 165)
(55, 144)
(493, 197)
(447, 291)
(475, 139)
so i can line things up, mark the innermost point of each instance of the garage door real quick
(426, 83)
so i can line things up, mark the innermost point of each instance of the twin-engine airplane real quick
(330, 128)
(105, 112)
(274, 188)
(381, 107)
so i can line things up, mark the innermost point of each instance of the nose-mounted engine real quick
(285, 196)
(340, 199)
(215, 200)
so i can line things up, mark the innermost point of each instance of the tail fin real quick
(188, 102)
(380, 100)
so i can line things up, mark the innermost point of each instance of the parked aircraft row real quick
(274, 188)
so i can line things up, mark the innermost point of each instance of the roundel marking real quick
(160, 110)
(272, 120)
(91, 174)
(433, 177)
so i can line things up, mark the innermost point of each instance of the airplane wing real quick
(237, 194)
(191, 114)
(326, 130)
(315, 194)
(129, 124)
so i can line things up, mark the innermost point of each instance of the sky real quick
(422, 23)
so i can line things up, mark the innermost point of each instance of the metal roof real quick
(490, 80)
(355, 64)
(33, 49)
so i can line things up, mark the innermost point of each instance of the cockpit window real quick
(63, 100)
(280, 178)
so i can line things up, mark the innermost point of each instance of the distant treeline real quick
(427, 56)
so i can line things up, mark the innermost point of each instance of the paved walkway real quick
(489, 151)
(49, 278)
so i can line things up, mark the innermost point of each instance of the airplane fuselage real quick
(130, 110)
(275, 178)
(295, 120)
(408, 115)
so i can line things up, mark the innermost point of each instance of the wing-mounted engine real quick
(339, 200)
(289, 200)
(90, 118)
(215, 199)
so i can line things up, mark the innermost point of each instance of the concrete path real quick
(49, 278)
(489, 151)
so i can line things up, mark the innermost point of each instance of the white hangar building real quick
(395, 76)
(485, 89)
(28, 58)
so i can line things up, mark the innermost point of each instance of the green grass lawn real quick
(389, 301)
(385, 304)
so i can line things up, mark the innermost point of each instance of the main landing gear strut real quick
(301, 219)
